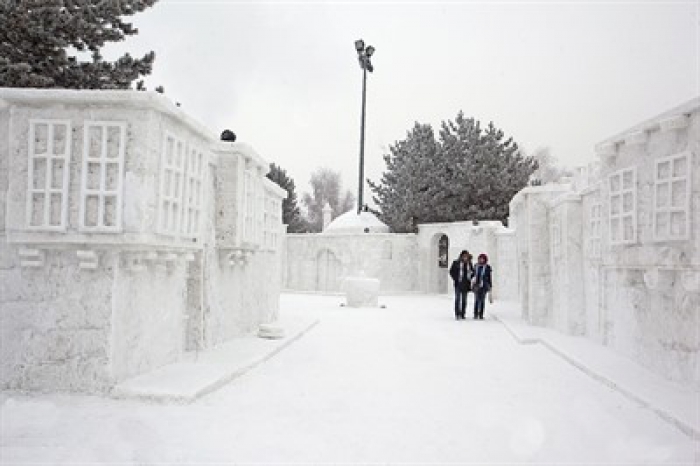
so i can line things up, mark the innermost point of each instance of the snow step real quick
(198, 374)
(674, 403)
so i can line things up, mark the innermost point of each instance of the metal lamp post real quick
(363, 55)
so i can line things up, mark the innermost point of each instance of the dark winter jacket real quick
(465, 283)
(482, 279)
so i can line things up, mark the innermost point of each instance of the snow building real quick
(129, 235)
(615, 255)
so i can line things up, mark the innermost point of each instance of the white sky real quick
(284, 76)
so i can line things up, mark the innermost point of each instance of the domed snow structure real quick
(353, 223)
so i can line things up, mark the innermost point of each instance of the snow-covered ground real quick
(404, 384)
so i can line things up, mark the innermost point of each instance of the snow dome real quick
(351, 223)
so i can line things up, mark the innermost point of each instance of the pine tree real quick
(291, 216)
(326, 187)
(470, 173)
(37, 35)
(404, 191)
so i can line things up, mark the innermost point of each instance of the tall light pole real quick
(363, 55)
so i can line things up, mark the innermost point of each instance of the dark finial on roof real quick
(228, 136)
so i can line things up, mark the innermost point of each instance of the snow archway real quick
(439, 263)
(327, 271)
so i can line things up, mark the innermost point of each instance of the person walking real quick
(481, 285)
(462, 271)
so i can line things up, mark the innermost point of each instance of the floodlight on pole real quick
(363, 56)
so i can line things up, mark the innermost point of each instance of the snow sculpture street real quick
(401, 384)
(201, 263)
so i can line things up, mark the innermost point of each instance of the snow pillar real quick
(327, 211)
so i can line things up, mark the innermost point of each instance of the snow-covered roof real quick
(352, 223)
(116, 98)
(687, 108)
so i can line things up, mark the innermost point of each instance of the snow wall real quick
(403, 263)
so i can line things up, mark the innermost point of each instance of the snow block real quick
(272, 331)
(362, 292)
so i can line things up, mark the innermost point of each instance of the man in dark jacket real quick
(481, 285)
(461, 272)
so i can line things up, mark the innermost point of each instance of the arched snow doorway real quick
(440, 250)
(327, 271)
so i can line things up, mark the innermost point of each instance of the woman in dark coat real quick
(481, 284)
(462, 271)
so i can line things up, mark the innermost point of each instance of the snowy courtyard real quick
(403, 384)
(224, 273)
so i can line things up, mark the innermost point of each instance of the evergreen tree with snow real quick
(406, 186)
(469, 173)
(37, 36)
(291, 215)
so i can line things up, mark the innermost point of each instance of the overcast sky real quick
(284, 76)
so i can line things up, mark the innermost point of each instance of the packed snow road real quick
(403, 384)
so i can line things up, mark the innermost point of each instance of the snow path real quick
(404, 384)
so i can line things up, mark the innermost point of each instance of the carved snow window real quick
(267, 233)
(672, 198)
(270, 220)
(48, 174)
(192, 206)
(172, 185)
(249, 205)
(275, 221)
(259, 214)
(623, 206)
(269, 236)
(595, 219)
(101, 189)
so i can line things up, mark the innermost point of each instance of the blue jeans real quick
(460, 301)
(480, 301)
